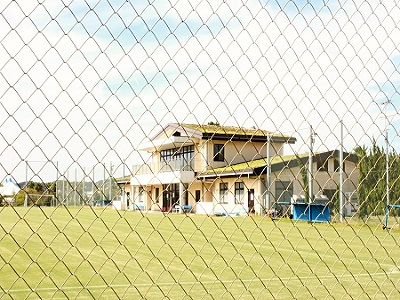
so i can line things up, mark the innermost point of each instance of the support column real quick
(260, 198)
(181, 191)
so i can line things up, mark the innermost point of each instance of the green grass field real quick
(102, 253)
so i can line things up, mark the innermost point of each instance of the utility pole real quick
(310, 167)
(56, 183)
(341, 202)
(75, 187)
(26, 184)
(385, 226)
(110, 180)
(268, 177)
(387, 178)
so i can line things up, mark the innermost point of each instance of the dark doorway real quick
(250, 197)
(170, 196)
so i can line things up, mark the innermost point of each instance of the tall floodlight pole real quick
(67, 187)
(93, 181)
(387, 178)
(26, 184)
(387, 164)
(310, 167)
(104, 181)
(56, 183)
(341, 204)
(268, 178)
(83, 186)
(110, 180)
(76, 187)
(63, 189)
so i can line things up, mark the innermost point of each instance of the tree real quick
(362, 192)
(304, 177)
(38, 194)
(372, 179)
(20, 197)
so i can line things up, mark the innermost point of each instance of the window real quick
(239, 192)
(219, 152)
(322, 165)
(183, 157)
(223, 192)
(142, 191)
(185, 152)
(336, 166)
(283, 191)
(198, 195)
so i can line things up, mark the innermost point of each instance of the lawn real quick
(58, 253)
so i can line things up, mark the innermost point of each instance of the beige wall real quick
(235, 152)
(322, 180)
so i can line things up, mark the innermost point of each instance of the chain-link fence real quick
(199, 149)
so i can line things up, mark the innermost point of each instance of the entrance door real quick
(250, 197)
(170, 196)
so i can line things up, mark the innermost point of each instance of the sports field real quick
(106, 254)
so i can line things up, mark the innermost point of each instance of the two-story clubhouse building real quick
(221, 169)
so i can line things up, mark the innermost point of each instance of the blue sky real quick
(84, 82)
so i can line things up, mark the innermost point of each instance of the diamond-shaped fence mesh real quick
(199, 149)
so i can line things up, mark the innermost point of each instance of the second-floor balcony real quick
(163, 166)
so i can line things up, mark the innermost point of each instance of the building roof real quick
(123, 180)
(180, 134)
(9, 188)
(259, 166)
(215, 131)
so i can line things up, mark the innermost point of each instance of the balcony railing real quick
(159, 167)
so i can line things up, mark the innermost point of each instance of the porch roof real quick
(259, 166)
(123, 180)
(254, 167)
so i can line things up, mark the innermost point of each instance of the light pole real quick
(387, 163)
(26, 184)
(268, 177)
(310, 166)
(110, 180)
(387, 178)
(341, 202)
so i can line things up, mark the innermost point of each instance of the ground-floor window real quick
(283, 191)
(142, 193)
(223, 192)
(239, 192)
(157, 195)
(198, 195)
